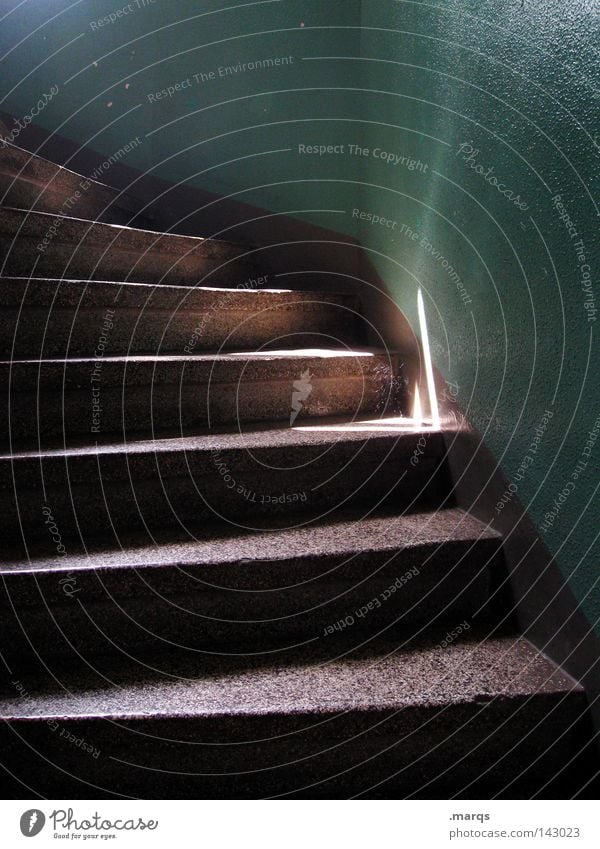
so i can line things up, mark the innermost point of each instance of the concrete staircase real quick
(232, 565)
(33, 183)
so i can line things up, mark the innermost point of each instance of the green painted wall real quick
(233, 132)
(512, 316)
(517, 85)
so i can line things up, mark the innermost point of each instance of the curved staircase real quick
(230, 567)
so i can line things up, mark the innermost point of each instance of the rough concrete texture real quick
(30, 182)
(422, 713)
(245, 478)
(423, 676)
(57, 318)
(213, 546)
(152, 393)
(246, 610)
(49, 246)
(251, 589)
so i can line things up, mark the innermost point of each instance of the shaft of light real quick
(435, 413)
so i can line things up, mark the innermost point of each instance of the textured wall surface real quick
(504, 98)
(221, 93)
(469, 127)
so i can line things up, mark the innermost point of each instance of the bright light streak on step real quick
(435, 413)
(303, 352)
(417, 408)
(240, 290)
(393, 423)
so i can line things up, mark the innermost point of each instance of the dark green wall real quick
(517, 80)
(519, 83)
(233, 134)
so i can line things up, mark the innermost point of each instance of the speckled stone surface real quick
(217, 545)
(145, 393)
(139, 295)
(74, 373)
(28, 182)
(98, 251)
(416, 677)
(423, 714)
(241, 610)
(384, 432)
(57, 318)
(242, 589)
(244, 478)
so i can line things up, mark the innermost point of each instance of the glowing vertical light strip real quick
(435, 414)
(417, 409)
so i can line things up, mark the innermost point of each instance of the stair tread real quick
(28, 178)
(222, 546)
(45, 317)
(327, 431)
(237, 579)
(216, 356)
(134, 233)
(10, 152)
(382, 677)
(39, 243)
(61, 292)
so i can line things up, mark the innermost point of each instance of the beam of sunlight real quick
(391, 423)
(302, 352)
(435, 414)
(226, 290)
(417, 408)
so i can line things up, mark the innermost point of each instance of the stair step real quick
(28, 181)
(440, 715)
(358, 574)
(44, 245)
(47, 318)
(239, 476)
(231, 567)
(86, 396)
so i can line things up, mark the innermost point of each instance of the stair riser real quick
(93, 251)
(44, 332)
(255, 677)
(184, 396)
(450, 746)
(359, 594)
(96, 204)
(47, 317)
(238, 486)
(111, 262)
(29, 182)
